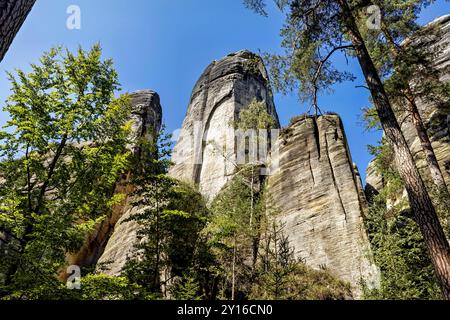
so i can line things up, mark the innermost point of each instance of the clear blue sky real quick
(165, 45)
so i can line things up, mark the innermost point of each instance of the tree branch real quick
(51, 171)
(319, 70)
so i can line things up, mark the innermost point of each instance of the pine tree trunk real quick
(156, 275)
(424, 212)
(252, 230)
(430, 156)
(233, 281)
(12, 15)
(432, 162)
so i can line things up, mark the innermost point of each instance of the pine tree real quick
(396, 241)
(230, 236)
(279, 275)
(278, 264)
(234, 231)
(170, 215)
(408, 68)
(421, 204)
(314, 31)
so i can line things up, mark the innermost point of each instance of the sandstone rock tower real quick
(114, 239)
(312, 179)
(319, 193)
(205, 151)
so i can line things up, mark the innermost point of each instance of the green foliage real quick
(398, 20)
(231, 234)
(253, 66)
(255, 258)
(311, 32)
(92, 287)
(370, 118)
(103, 287)
(249, 259)
(404, 54)
(170, 215)
(384, 166)
(397, 243)
(187, 288)
(56, 182)
(62, 153)
(442, 204)
(401, 254)
(256, 5)
(255, 116)
(280, 276)
(315, 30)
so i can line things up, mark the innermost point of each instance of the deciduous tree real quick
(61, 153)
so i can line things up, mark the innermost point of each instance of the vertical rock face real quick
(12, 15)
(113, 238)
(374, 182)
(435, 117)
(319, 194)
(205, 152)
(312, 180)
(146, 114)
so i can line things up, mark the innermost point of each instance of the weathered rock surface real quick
(12, 15)
(205, 152)
(312, 179)
(319, 193)
(146, 115)
(113, 238)
(374, 181)
(435, 117)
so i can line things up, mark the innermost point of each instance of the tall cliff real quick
(435, 117)
(311, 180)
(112, 239)
(205, 152)
(319, 192)
(12, 15)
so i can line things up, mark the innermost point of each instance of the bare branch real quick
(319, 70)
